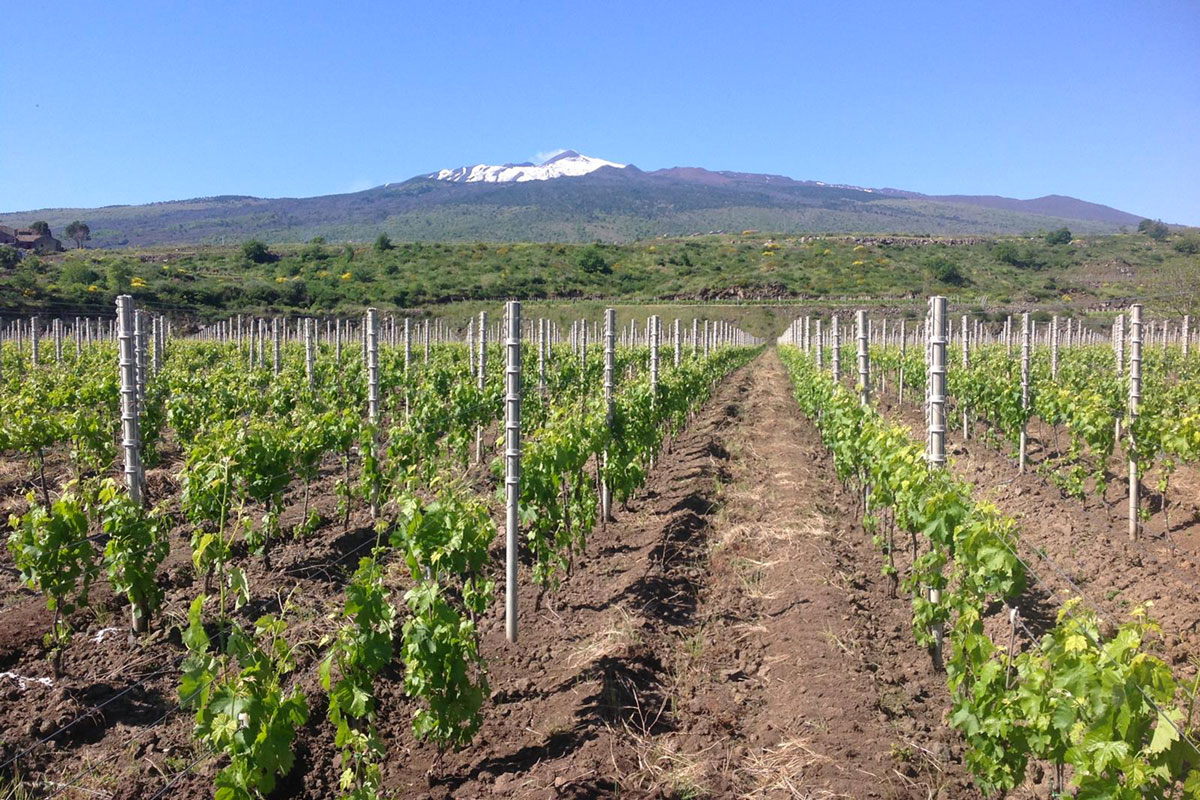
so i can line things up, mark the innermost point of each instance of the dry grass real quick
(751, 573)
(665, 769)
(616, 639)
(779, 772)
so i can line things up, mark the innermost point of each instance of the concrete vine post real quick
(864, 359)
(610, 367)
(1054, 348)
(820, 346)
(903, 352)
(678, 342)
(262, 342)
(653, 339)
(966, 364)
(541, 344)
(835, 331)
(34, 342)
(481, 378)
(583, 343)
(372, 335)
(407, 344)
(1186, 335)
(1025, 346)
(139, 357)
(308, 351)
(928, 407)
(471, 346)
(127, 363)
(371, 338)
(131, 440)
(695, 337)
(275, 345)
(1135, 402)
(937, 422)
(155, 364)
(253, 344)
(512, 466)
(407, 364)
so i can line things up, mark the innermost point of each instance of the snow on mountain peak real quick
(566, 164)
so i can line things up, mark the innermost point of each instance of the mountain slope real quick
(606, 201)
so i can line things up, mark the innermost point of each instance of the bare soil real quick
(1082, 546)
(728, 635)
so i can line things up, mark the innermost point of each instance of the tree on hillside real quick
(41, 227)
(944, 270)
(1060, 236)
(80, 232)
(592, 261)
(1180, 280)
(257, 252)
(383, 243)
(1154, 228)
(1188, 243)
(10, 257)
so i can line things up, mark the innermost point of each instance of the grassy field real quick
(1089, 274)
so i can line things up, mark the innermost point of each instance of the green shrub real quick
(592, 261)
(256, 252)
(1154, 228)
(1060, 236)
(9, 257)
(945, 270)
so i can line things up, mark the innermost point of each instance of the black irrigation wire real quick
(178, 706)
(179, 775)
(85, 715)
(106, 760)
(1095, 643)
(1066, 578)
(1076, 588)
(1079, 591)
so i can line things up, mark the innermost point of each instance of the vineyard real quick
(1038, 671)
(381, 557)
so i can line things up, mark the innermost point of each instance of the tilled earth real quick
(1082, 546)
(727, 635)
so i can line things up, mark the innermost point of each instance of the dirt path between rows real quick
(728, 636)
(799, 657)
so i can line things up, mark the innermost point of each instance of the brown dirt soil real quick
(1082, 542)
(728, 635)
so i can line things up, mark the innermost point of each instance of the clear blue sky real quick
(132, 102)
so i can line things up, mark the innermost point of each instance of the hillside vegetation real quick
(1087, 272)
(611, 205)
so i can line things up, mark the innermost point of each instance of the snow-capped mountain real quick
(519, 202)
(566, 164)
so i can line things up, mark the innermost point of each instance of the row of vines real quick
(1090, 702)
(234, 439)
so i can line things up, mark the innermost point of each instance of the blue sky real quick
(132, 102)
